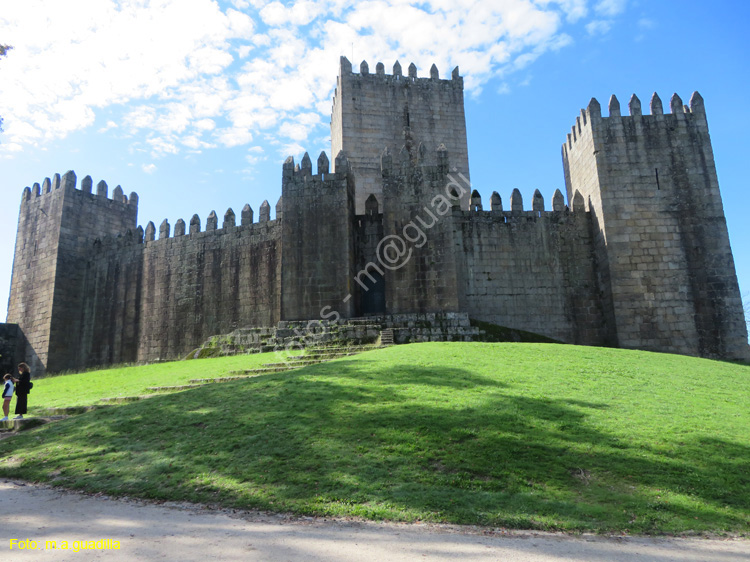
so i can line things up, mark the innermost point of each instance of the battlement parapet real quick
(517, 207)
(302, 174)
(397, 77)
(182, 232)
(696, 111)
(68, 182)
(193, 228)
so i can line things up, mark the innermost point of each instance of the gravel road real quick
(186, 532)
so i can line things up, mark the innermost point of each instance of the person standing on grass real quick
(23, 385)
(7, 395)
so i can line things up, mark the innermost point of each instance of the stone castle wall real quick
(639, 257)
(159, 299)
(533, 271)
(91, 289)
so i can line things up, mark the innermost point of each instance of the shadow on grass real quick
(352, 438)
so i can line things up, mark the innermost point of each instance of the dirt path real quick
(184, 532)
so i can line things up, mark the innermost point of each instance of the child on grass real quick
(7, 395)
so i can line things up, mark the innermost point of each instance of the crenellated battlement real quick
(397, 75)
(182, 231)
(302, 173)
(517, 206)
(679, 112)
(193, 229)
(67, 182)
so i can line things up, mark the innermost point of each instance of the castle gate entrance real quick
(372, 296)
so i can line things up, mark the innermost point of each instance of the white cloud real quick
(205, 125)
(149, 168)
(255, 154)
(162, 146)
(291, 148)
(610, 8)
(234, 136)
(107, 127)
(66, 63)
(193, 74)
(644, 25)
(599, 27)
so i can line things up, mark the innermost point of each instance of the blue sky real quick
(194, 104)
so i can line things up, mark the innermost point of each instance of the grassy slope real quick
(517, 435)
(85, 389)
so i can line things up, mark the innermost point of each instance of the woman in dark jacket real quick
(22, 389)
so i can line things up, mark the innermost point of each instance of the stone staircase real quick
(386, 337)
(343, 333)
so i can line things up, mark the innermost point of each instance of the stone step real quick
(294, 364)
(320, 355)
(343, 348)
(125, 399)
(69, 411)
(27, 423)
(264, 371)
(386, 337)
(224, 379)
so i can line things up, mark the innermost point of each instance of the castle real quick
(639, 258)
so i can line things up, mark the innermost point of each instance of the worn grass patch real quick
(532, 436)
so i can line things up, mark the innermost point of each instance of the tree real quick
(3, 51)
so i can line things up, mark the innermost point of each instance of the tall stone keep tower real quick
(57, 227)
(664, 262)
(372, 112)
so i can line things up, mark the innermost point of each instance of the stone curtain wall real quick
(160, 299)
(532, 272)
(374, 111)
(651, 184)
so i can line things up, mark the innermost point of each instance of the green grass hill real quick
(530, 436)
